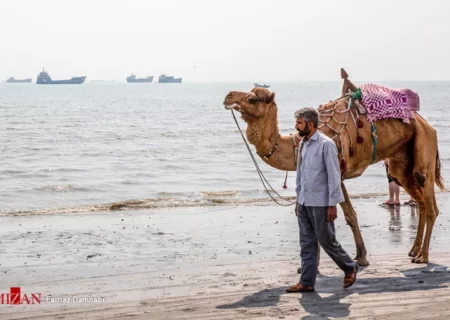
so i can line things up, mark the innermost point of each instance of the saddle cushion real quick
(386, 103)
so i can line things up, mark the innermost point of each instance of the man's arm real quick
(299, 177)
(330, 154)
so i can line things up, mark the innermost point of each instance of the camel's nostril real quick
(230, 95)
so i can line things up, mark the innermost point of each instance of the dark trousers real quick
(314, 227)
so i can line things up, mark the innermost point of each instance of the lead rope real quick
(261, 175)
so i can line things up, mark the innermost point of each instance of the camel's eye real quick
(252, 100)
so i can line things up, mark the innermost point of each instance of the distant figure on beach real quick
(318, 192)
(394, 189)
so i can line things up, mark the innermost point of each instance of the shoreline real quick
(216, 262)
(212, 199)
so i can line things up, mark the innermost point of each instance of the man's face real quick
(302, 127)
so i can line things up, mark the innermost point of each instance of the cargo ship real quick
(132, 78)
(14, 80)
(44, 78)
(257, 85)
(168, 79)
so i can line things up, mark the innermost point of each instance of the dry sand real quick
(217, 263)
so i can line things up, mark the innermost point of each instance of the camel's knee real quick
(420, 178)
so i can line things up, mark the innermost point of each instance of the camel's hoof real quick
(362, 262)
(419, 259)
(414, 252)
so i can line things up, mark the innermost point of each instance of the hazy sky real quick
(226, 40)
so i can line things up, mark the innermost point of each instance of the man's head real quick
(307, 121)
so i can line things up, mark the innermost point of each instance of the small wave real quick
(11, 172)
(154, 203)
(220, 193)
(367, 195)
(62, 188)
(62, 170)
(39, 149)
(139, 204)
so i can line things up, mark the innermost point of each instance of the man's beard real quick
(304, 133)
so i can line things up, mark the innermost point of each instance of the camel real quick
(411, 148)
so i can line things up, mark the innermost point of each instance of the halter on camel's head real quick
(251, 105)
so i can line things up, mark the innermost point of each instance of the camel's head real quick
(252, 105)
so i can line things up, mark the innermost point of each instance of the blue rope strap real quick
(375, 141)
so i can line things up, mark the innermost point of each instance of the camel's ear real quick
(271, 97)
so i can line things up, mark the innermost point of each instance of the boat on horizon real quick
(257, 85)
(44, 78)
(14, 80)
(169, 79)
(132, 78)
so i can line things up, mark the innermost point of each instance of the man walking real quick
(318, 192)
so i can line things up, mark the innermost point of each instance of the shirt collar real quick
(314, 137)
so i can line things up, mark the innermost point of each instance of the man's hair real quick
(308, 114)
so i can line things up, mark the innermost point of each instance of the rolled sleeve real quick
(335, 194)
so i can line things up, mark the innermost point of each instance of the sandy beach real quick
(220, 262)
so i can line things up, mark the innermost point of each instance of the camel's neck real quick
(264, 134)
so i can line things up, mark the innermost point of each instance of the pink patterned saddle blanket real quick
(385, 103)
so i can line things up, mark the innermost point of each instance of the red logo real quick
(16, 297)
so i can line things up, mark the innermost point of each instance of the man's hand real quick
(296, 208)
(332, 213)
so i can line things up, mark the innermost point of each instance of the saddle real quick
(380, 102)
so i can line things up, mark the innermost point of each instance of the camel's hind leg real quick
(418, 179)
(429, 217)
(404, 176)
(426, 172)
(426, 201)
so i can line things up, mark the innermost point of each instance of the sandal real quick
(410, 202)
(387, 203)
(299, 288)
(350, 278)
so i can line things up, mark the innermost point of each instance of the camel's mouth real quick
(244, 115)
(234, 106)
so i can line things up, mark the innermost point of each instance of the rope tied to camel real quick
(354, 99)
(261, 175)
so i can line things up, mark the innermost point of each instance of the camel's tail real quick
(438, 178)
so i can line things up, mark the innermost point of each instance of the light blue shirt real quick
(319, 174)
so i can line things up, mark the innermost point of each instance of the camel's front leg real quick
(352, 221)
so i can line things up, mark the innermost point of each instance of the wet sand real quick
(217, 263)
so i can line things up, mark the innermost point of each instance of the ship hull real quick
(176, 80)
(19, 81)
(146, 80)
(76, 80)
